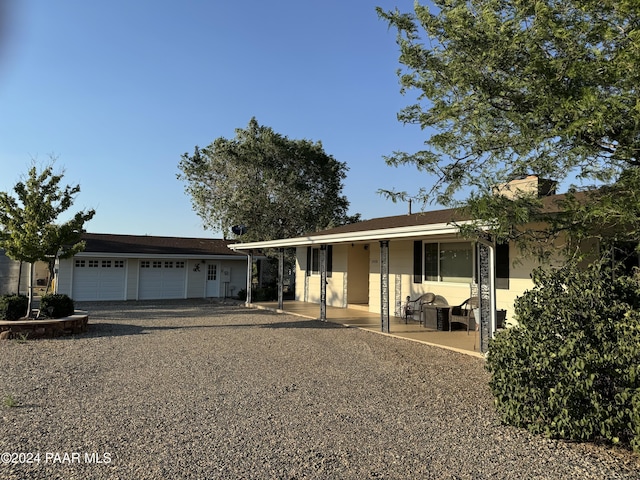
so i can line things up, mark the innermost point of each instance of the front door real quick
(213, 280)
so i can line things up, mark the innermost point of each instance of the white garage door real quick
(161, 279)
(98, 279)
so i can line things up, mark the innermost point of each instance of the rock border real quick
(50, 327)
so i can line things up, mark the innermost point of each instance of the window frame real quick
(433, 257)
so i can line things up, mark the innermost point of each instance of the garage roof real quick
(104, 243)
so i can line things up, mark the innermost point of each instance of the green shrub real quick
(571, 368)
(13, 307)
(56, 306)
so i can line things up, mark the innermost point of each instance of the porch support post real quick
(280, 278)
(487, 293)
(384, 285)
(249, 277)
(323, 283)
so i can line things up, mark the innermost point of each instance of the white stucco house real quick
(140, 267)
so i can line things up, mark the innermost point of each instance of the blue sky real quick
(117, 90)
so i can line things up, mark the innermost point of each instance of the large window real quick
(448, 262)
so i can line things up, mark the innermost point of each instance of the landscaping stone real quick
(198, 390)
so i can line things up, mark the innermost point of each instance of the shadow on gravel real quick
(105, 329)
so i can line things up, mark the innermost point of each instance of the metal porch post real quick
(384, 285)
(487, 293)
(280, 278)
(249, 277)
(323, 283)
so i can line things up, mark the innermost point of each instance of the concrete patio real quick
(359, 317)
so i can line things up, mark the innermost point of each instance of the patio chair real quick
(412, 308)
(463, 313)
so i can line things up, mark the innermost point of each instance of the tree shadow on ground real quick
(108, 329)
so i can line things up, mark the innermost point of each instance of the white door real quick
(99, 279)
(213, 280)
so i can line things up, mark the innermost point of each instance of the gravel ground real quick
(195, 389)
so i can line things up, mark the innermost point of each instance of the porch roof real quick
(436, 222)
(385, 228)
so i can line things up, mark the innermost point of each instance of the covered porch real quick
(457, 340)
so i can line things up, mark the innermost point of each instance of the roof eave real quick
(202, 256)
(351, 237)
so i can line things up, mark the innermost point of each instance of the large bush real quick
(56, 306)
(13, 307)
(571, 369)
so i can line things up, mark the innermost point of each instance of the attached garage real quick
(99, 279)
(142, 267)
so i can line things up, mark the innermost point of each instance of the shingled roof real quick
(422, 218)
(435, 222)
(148, 245)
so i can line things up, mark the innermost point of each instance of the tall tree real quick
(513, 87)
(28, 228)
(275, 186)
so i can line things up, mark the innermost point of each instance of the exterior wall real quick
(519, 282)
(237, 279)
(133, 266)
(196, 278)
(301, 266)
(64, 276)
(401, 282)
(308, 286)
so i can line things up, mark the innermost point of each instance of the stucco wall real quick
(401, 282)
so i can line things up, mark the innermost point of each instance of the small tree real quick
(28, 232)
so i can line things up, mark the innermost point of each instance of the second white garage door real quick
(161, 279)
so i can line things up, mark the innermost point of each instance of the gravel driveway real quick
(195, 389)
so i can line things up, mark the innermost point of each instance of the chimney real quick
(526, 185)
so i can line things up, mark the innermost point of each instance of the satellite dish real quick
(239, 229)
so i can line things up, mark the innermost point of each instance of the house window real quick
(145, 264)
(168, 264)
(157, 264)
(94, 264)
(313, 260)
(106, 263)
(118, 263)
(180, 264)
(448, 262)
(80, 263)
